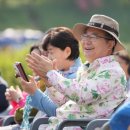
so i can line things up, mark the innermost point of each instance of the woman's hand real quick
(39, 64)
(29, 87)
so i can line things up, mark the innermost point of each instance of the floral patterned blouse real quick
(95, 92)
(55, 95)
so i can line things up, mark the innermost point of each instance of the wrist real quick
(33, 91)
(18, 99)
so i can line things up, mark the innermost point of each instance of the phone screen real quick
(20, 71)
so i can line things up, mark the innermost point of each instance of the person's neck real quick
(68, 64)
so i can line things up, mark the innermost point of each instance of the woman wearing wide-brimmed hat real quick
(100, 83)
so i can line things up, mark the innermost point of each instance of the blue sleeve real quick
(120, 120)
(42, 102)
(71, 76)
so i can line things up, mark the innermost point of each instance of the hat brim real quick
(80, 28)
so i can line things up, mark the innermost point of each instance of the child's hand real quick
(13, 94)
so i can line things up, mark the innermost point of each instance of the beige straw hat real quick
(101, 22)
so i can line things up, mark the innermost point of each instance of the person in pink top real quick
(16, 97)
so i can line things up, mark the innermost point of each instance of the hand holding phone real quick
(20, 71)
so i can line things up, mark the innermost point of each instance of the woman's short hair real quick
(62, 37)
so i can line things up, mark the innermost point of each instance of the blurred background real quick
(23, 23)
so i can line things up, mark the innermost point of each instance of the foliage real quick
(43, 14)
(8, 57)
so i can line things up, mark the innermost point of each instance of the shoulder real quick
(109, 63)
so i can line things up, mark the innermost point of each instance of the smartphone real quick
(20, 71)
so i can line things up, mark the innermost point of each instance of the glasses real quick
(92, 38)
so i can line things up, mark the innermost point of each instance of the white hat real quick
(101, 22)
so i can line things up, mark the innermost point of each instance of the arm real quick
(56, 96)
(99, 86)
(43, 103)
(39, 100)
(18, 104)
(16, 97)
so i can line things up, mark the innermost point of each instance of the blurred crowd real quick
(18, 37)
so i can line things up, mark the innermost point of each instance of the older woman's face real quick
(95, 45)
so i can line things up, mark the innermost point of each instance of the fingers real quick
(18, 89)
(12, 94)
(34, 60)
(39, 64)
(7, 95)
(29, 87)
(32, 63)
(44, 57)
(8, 98)
(32, 79)
(23, 82)
(38, 57)
(25, 85)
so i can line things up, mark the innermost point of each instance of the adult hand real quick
(39, 64)
(29, 87)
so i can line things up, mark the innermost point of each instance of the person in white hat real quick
(100, 83)
(106, 24)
